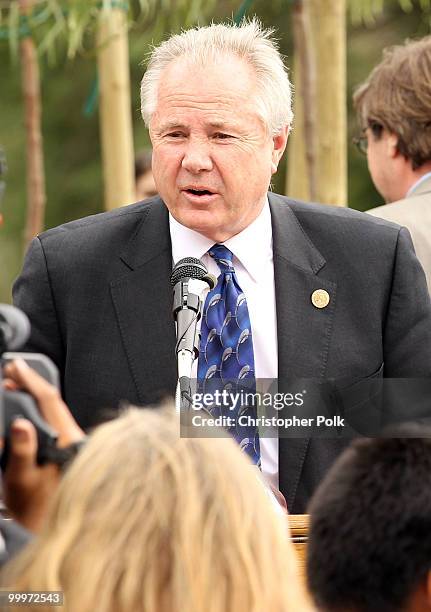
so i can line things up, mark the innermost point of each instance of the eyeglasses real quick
(361, 143)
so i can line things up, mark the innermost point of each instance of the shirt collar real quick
(252, 246)
(419, 182)
(186, 242)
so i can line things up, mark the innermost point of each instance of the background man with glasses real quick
(394, 108)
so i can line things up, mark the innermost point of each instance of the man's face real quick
(212, 155)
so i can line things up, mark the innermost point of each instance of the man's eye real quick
(174, 135)
(222, 136)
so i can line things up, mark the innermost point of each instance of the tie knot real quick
(222, 256)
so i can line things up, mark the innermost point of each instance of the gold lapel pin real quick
(320, 298)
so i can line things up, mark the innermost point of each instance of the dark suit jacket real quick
(98, 296)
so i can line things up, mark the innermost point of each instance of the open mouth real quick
(199, 192)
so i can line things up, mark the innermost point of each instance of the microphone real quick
(190, 280)
(14, 328)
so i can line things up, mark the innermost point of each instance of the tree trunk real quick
(297, 183)
(302, 177)
(329, 26)
(115, 108)
(329, 120)
(36, 196)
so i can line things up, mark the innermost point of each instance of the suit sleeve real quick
(33, 293)
(407, 331)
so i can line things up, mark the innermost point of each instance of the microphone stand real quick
(183, 395)
(187, 308)
(190, 281)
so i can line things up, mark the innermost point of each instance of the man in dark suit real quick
(330, 292)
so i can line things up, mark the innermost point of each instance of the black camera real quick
(14, 331)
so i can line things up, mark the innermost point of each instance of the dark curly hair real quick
(370, 532)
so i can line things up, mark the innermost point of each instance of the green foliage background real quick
(71, 139)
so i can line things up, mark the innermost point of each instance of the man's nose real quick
(197, 158)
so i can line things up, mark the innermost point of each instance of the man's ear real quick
(279, 145)
(392, 145)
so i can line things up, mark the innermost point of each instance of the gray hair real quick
(249, 41)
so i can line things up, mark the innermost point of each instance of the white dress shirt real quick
(254, 267)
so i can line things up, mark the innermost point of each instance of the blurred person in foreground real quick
(217, 101)
(394, 107)
(147, 521)
(144, 180)
(27, 487)
(369, 546)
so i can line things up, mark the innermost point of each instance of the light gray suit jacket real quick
(414, 213)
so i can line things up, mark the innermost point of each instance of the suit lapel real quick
(142, 300)
(303, 330)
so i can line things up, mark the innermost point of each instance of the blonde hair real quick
(210, 44)
(147, 521)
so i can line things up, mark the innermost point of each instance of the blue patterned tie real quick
(226, 358)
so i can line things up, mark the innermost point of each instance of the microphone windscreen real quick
(188, 267)
(14, 325)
